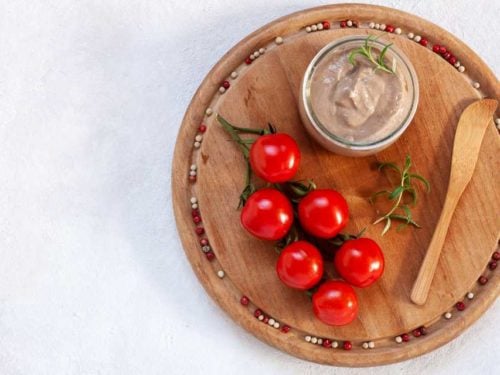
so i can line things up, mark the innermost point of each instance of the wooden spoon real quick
(468, 137)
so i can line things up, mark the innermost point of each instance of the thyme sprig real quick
(366, 50)
(400, 210)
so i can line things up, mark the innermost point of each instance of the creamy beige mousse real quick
(357, 103)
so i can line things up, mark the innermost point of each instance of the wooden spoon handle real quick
(426, 274)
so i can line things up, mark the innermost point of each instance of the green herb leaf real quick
(407, 211)
(352, 56)
(382, 54)
(234, 135)
(389, 165)
(245, 194)
(396, 193)
(413, 194)
(405, 219)
(407, 164)
(421, 179)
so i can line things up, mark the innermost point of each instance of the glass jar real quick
(355, 109)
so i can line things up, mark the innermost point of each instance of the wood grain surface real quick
(268, 91)
(474, 121)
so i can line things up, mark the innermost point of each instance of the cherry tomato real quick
(335, 303)
(267, 214)
(275, 157)
(300, 265)
(323, 213)
(360, 262)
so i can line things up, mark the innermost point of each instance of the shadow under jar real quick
(358, 110)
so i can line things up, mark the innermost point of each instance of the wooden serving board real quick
(267, 90)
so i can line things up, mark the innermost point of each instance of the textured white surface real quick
(93, 279)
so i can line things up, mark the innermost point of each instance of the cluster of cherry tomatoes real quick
(323, 213)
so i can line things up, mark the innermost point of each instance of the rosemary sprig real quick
(244, 145)
(400, 210)
(366, 51)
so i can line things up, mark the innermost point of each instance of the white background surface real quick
(93, 279)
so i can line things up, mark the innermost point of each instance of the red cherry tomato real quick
(360, 262)
(335, 303)
(275, 157)
(300, 265)
(323, 213)
(267, 214)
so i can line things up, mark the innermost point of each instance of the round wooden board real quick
(267, 91)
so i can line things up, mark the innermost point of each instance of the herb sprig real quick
(366, 51)
(400, 210)
(244, 145)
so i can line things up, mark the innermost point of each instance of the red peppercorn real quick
(389, 28)
(442, 50)
(460, 306)
(202, 128)
(355, 23)
(197, 219)
(248, 61)
(266, 319)
(405, 337)
(226, 84)
(343, 24)
(285, 329)
(436, 48)
(496, 255)
(192, 178)
(244, 301)
(482, 280)
(327, 343)
(424, 42)
(416, 332)
(492, 265)
(423, 331)
(347, 345)
(257, 313)
(200, 231)
(210, 255)
(452, 60)
(195, 212)
(446, 55)
(204, 242)
(326, 25)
